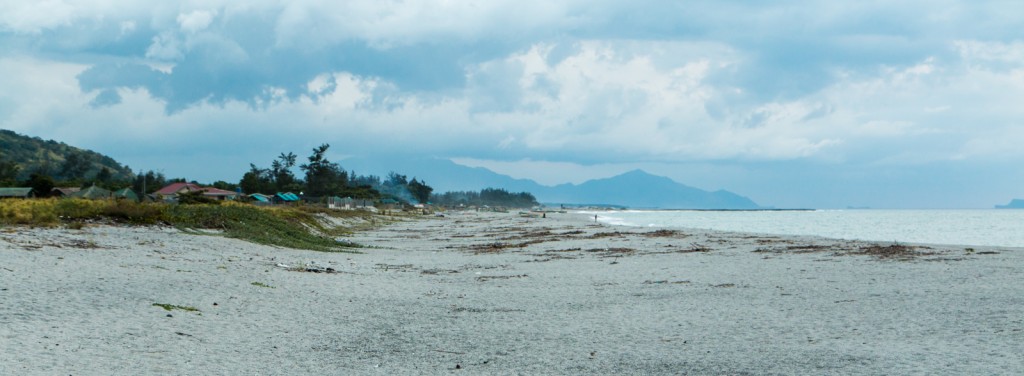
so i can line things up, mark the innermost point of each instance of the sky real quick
(824, 104)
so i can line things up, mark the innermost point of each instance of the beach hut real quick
(64, 191)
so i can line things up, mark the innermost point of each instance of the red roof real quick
(174, 188)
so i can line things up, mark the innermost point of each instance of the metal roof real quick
(15, 192)
(92, 192)
(287, 196)
(127, 193)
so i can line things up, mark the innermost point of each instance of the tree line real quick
(486, 197)
(323, 178)
(319, 178)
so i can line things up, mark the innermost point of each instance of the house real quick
(219, 194)
(16, 193)
(171, 191)
(93, 193)
(63, 191)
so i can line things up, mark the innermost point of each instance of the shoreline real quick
(940, 228)
(490, 293)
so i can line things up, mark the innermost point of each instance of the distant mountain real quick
(635, 189)
(57, 159)
(441, 174)
(1014, 204)
(639, 189)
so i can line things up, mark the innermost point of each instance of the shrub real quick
(29, 212)
(80, 208)
(137, 213)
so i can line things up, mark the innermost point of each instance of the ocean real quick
(993, 227)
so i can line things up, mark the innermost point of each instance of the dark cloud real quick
(108, 97)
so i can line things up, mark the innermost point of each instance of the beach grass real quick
(289, 227)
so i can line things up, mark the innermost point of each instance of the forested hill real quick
(63, 162)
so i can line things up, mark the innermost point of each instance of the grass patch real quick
(260, 284)
(281, 227)
(289, 227)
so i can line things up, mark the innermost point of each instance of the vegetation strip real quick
(290, 227)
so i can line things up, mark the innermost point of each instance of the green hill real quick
(20, 156)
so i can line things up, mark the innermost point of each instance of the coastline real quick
(491, 293)
(939, 227)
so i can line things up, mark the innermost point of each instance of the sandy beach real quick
(494, 293)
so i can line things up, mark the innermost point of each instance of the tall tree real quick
(281, 171)
(41, 184)
(323, 177)
(148, 182)
(257, 180)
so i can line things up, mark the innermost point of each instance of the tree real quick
(323, 177)
(8, 172)
(257, 180)
(148, 182)
(281, 173)
(104, 176)
(487, 196)
(75, 166)
(420, 191)
(41, 184)
(395, 180)
(220, 184)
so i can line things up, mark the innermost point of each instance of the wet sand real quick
(490, 293)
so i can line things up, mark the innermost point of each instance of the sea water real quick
(1002, 228)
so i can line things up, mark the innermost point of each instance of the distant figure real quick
(595, 217)
(543, 215)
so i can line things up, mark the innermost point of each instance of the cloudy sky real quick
(793, 104)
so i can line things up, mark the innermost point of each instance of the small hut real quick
(93, 193)
(62, 192)
(126, 194)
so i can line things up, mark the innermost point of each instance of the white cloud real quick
(35, 16)
(166, 47)
(391, 23)
(196, 21)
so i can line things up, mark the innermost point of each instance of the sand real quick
(492, 293)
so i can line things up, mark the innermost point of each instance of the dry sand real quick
(479, 293)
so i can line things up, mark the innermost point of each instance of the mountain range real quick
(634, 189)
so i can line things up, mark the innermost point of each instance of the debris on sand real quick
(893, 251)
